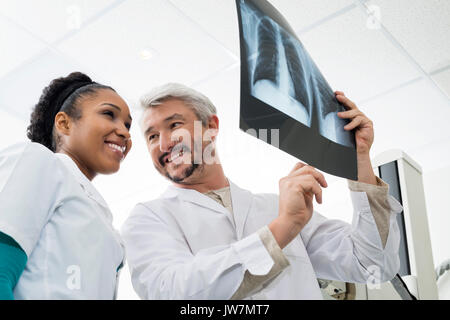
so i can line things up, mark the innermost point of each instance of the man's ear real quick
(63, 123)
(213, 124)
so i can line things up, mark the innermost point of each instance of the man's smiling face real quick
(169, 134)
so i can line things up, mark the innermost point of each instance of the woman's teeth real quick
(116, 147)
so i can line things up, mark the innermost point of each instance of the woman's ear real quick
(63, 123)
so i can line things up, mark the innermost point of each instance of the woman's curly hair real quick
(56, 97)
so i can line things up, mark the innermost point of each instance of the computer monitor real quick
(404, 177)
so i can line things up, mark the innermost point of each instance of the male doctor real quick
(206, 238)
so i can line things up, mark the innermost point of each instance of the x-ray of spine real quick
(283, 75)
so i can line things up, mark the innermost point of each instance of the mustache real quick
(178, 148)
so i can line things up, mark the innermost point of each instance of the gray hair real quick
(197, 101)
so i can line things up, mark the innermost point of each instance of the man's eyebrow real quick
(175, 116)
(114, 106)
(149, 129)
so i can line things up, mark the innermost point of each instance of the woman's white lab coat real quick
(61, 222)
(185, 245)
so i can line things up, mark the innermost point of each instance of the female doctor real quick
(56, 234)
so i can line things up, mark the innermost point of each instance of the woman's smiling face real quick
(100, 139)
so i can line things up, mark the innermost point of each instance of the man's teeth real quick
(176, 157)
(115, 146)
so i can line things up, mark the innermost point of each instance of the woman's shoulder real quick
(27, 155)
(32, 148)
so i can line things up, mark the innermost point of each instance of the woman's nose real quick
(124, 132)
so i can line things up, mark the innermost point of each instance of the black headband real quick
(67, 92)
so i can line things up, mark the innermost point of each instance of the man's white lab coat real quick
(185, 245)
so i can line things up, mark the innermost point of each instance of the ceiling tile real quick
(301, 14)
(17, 46)
(32, 78)
(158, 45)
(443, 80)
(433, 156)
(52, 19)
(219, 18)
(216, 17)
(409, 119)
(421, 27)
(355, 59)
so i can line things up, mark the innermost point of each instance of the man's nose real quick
(166, 142)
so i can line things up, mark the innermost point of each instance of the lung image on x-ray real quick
(282, 74)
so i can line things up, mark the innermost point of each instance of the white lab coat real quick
(61, 222)
(184, 246)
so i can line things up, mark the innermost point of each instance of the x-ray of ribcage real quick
(283, 75)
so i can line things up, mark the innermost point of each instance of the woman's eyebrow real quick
(114, 106)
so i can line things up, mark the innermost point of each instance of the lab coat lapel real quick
(241, 201)
(93, 194)
(84, 182)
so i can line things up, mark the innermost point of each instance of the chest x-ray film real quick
(282, 89)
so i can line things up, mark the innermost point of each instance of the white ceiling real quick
(398, 72)
(421, 27)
